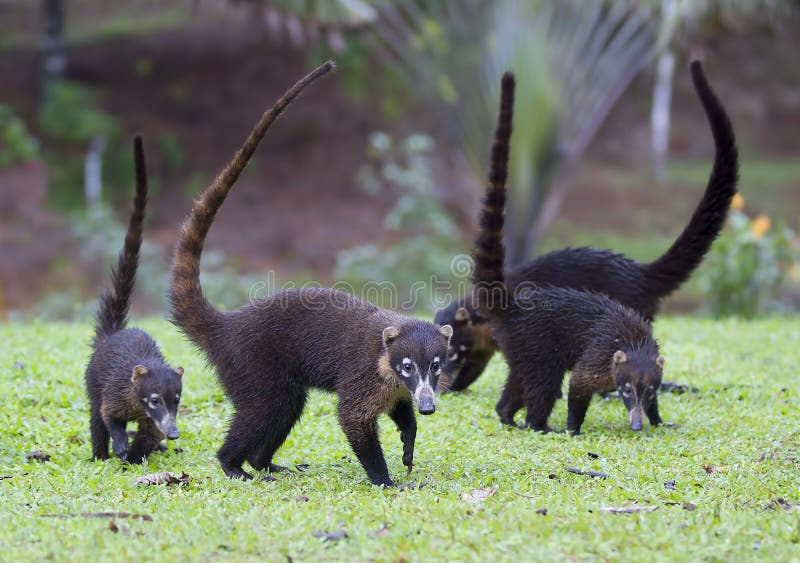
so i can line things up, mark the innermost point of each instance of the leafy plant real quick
(423, 229)
(747, 266)
(70, 114)
(17, 145)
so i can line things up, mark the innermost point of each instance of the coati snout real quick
(159, 393)
(417, 354)
(637, 377)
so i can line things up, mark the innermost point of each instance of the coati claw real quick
(409, 467)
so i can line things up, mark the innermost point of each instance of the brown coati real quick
(127, 378)
(639, 286)
(544, 331)
(269, 353)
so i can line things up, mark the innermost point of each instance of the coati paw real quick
(121, 450)
(274, 468)
(161, 447)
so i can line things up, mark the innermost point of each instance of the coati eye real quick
(435, 367)
(154, 401)
(408, 367)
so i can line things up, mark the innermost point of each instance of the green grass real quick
(744, 418)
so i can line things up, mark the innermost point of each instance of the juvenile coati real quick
(639, 286)
(544, 331)
(127, 378)
(269, 353)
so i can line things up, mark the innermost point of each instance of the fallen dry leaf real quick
(38, 455)
(163, 478)
(113, 526)
(627, 509)
(479, 494)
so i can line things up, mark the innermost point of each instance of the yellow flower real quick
(760, 226)
(737, 202)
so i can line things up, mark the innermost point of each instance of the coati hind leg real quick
(403, 416)
(100, 435)
(361, 430)
(541, 391)
(144, 441)
(283, 413)
(511, 399)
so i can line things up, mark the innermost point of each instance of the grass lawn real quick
(743, 423)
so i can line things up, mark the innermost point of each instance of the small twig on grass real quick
(588, 473)
(627, 509)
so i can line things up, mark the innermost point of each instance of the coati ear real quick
(660, 361)
(462, 315)
(620, 357)
(178, 371)
(138, 372)
(389, 334)
(446, 331)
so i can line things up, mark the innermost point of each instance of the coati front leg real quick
(119, 438)
(580, 397)
(511, 400)
(542, 389)
(362, 433)
(403, 417)
(99, 431)
(144, 442)
(652, 412)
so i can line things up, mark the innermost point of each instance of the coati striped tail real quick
(115, 303)
(190, 309)
(667, 273)
(489, 251)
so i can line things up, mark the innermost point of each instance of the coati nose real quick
(426, 405)
(172, 433)
(635, 418)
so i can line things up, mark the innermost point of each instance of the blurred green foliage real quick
(16, 143)
(747, 267)
(70, 114)
(426, 236)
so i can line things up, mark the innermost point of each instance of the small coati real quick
(269, 353)
(544, 331)
(127, 378)
(639, 286)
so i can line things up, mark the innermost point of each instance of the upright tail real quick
(114, 304)
(191, 311)
(489, 252)
(668, 272)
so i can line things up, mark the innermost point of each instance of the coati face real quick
(470, 332)
(637, 377)
(417, 352)
(159, 393)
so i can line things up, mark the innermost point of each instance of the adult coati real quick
(269, 353)
(127, 378)
(639, 286)
(544, 331)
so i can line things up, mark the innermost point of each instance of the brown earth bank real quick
(298, 203)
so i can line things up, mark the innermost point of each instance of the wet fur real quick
(117, 350)
(636, 285)
(268, 354)
(545, 331)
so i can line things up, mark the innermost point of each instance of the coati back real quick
(127, 378)
(269, 353)
(639, 286)
(544, 331)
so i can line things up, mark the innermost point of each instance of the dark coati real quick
(544, 331)
(639, 286)
(269, 353)
(127, 378)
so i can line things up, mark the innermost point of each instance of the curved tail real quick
(489, 252)
(191, 311)
(668, 272)
(115, 303)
